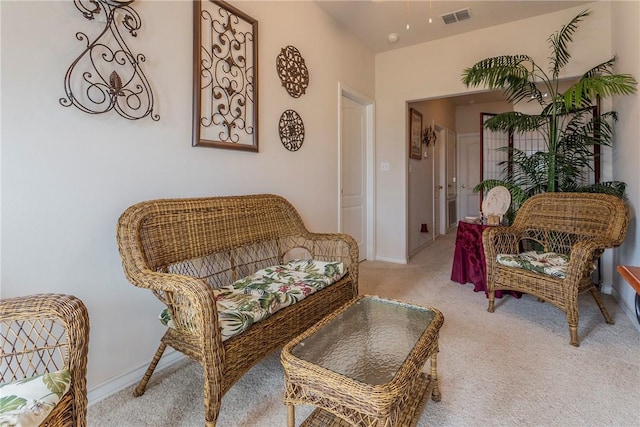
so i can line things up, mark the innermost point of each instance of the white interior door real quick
(468, 174)
(353, 191)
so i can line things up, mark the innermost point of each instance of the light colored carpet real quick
(511, 367)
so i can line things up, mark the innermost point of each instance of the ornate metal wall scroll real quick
(292, 71)
(107, 76)
(225, 77)
(291, 129)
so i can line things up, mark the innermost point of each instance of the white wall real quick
(626, 154)
(67, 175)
(433, 69)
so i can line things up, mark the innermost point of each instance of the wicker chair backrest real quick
(574, 216)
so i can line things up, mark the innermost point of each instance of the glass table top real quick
(369, 341)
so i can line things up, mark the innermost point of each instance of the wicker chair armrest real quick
(500, 240)
(583, 255)
(335, 246)
(29, 316)
(71, 314)
(191, 301)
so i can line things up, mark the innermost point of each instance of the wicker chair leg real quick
(572, 319)
(492, 301)
(142, 386)
(573, 330)
(596, 296)
(212, 397)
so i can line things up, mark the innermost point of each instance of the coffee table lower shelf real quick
(410, 415)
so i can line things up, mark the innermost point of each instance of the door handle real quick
(464, 186)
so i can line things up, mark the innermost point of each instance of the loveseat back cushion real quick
(258, 296)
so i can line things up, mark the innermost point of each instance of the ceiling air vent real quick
(457, 16)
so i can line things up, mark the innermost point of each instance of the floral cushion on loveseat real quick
(549, 263)
(27, 402)
(258, 296)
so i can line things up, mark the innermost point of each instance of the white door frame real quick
(439, 169)
(369, 105)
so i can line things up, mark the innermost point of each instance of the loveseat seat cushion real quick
(258, 296)
(28, 402)
(549, 263)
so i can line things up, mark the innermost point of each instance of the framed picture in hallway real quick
(415, 134)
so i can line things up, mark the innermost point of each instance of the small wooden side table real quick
(632, 276)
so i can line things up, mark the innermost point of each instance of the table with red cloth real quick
(468, 260)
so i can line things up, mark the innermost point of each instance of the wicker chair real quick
(42, 334)
(581, 225)
(182, 249)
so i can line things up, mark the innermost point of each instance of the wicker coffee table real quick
(362, 365)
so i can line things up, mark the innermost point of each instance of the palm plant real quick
(566, 122)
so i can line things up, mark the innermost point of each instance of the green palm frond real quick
(615, 188)
(603, 127)
(604, 68)
(583, 132)
(518, 89)
(529, 171)
(495, 72)
(514, 121)
(577, 132)
(588, 88)
(560, 41)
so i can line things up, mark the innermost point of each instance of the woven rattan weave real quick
(47, 333)
(363, 365)
(181, 249)
(581, 225)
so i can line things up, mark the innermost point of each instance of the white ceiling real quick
(373, 20)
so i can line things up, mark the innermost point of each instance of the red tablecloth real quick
(468, 260)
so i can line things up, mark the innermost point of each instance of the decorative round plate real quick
(291, 130)
(497, 201)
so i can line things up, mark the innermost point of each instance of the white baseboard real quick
(106, 389)
(392, 259)
(421, 247)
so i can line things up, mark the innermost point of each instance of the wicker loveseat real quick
(43, 362)
(193, 253)
(552, 247)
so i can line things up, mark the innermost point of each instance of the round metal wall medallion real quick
(291, 130)
(292, 71)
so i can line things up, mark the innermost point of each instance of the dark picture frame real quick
(415, 134)
(225, 77)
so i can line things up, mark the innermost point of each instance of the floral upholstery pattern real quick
(549, 263)
(27, 402)
(258, 296)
